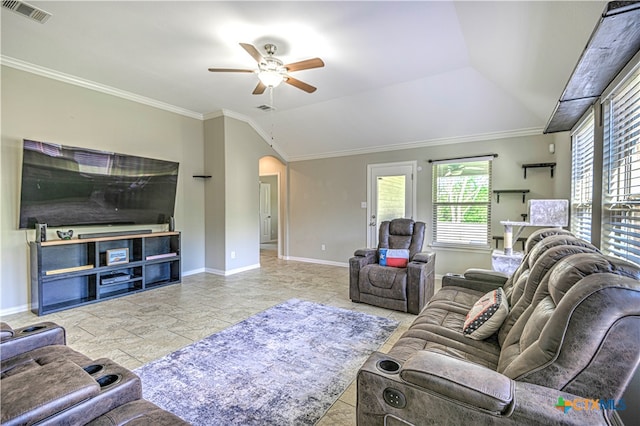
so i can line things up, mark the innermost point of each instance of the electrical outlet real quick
(323, 247)
(233, 254)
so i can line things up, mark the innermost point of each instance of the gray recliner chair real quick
(405, 289)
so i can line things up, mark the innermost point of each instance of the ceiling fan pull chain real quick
(271, 112)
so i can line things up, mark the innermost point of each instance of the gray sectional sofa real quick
(45, 382)
(563, 331)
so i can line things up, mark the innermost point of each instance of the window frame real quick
(582, 177)
(620, 230)
(459, 242)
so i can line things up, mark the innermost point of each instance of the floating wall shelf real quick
(202, 176)
(510, 191)
(552, 166)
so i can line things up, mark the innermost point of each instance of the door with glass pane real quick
(391, 195)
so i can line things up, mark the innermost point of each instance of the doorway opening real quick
(271, 211)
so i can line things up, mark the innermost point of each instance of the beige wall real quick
(241, 147)
(319, 199)
(43, 109)
(326, 195)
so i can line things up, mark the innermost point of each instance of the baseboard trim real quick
(193, 272)
(15, 310)
(318, 261)
(228, 272)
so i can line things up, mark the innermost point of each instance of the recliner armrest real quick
(32, 337)
(366, 252)
(459, 380)
(424, 257)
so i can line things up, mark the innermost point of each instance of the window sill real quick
(462, 247)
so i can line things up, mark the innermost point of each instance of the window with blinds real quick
(621, 168)
(582, 179)
(462, 202)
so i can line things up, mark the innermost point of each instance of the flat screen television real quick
(70, 186)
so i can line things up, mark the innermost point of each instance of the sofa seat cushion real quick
(452, 296)
(383, 281)
(441, 329)
(138, 413)
(38, 357)
(60, 385)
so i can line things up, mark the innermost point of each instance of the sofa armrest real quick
(384, 395)
(25, 339)
(459, 380)
(460, 281)
(486, 275)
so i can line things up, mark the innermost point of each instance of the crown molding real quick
(254, 126)
(87, 84)
(534, 131)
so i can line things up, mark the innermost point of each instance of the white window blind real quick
(621, 168)
(582, 179)
(462, 202)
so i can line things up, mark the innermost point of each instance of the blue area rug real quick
(284, 366)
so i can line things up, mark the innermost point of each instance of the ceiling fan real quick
(272, 71)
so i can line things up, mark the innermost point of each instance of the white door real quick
(391, 195)
(265, 212)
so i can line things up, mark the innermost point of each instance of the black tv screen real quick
(69, 186)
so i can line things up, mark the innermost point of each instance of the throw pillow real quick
(398, 258)
(486, 316)
(382, 257)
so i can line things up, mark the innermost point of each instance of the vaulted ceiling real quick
(397, 74)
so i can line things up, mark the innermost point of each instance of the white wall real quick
(48, 110)
(325, 195)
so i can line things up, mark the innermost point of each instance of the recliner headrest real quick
(541, 234)
(401, 227)
(557, 240)
(573, 268)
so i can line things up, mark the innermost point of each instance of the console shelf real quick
(70, 273)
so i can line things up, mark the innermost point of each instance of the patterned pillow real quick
(486, 316)
(398, 258)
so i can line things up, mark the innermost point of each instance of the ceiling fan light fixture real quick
(270, 78)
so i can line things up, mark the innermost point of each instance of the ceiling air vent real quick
(26, 10)
(266, 108)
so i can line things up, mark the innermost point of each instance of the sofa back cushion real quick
(524, 290)
(582, 337)
(545, 241)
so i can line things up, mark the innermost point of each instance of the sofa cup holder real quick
(93, 368)
(108, 380)
(33, 328)
(388, 366)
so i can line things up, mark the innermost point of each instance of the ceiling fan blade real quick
(299, 84)
(251, 50)
(229, 70)
(260, 88)
(305, 65)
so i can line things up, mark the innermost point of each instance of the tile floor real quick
(139, 328)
